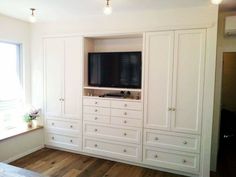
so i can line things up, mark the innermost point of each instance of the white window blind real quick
(11, 92)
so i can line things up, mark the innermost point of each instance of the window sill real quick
(17, 131)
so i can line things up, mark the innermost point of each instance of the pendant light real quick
(216, 2)
(107, 9)
(32, 17)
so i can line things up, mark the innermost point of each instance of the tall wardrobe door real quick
(158, 79)
(189, 64)
(72, 104)
(54, 57)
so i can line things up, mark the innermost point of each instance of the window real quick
(11, 92)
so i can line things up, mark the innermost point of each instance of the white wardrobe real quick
(160, 130)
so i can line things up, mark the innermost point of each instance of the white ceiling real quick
(54, 10)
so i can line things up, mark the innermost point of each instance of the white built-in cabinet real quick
(174, 80)
(63, 91)
(160, 129)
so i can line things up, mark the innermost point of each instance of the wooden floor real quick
(55, 163)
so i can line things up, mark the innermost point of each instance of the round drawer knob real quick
(124, 150)
(71, 126)
(156, 156)
(71, 141)
(95, 145)
(52, 123)
(95, 110)
(95, 118)
(95, 130)
(125, 113)
(185, 142)
(53, 137)
(95, 102)
(184, 161)
(156, 138)
(125, 134)
(125, 121)
(125, 105)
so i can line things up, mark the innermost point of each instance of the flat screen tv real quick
(115, 69)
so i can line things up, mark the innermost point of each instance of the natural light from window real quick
(11, 92)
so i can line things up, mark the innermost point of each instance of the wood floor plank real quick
(55, 163)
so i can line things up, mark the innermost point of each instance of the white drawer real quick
(113, 133)
(96, 102)
(127, 105)
(175, 141)
(62, 141)
(174, 160)
(96, 110)
(96, 118)
(127, 113)
(66, 125)
(126, 122)
(112, 149)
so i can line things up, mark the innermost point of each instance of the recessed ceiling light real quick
(107, 9)
(32, 17)
(216, 2)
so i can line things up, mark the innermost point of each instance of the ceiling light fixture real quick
(32, 17)
(107, 9)
(216, 2)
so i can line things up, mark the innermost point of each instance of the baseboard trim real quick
(23, 154)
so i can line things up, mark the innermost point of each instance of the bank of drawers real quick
(113, 128)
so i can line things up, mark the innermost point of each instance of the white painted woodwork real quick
(73, 78)
(54, 59)
(187, 99)
(158, 79)
(171, 159)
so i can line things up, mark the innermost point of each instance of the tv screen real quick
(115, 69)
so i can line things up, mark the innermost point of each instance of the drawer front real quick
(174, 160)
(62, 141)
(57, 124)
(96, 102)
(96, 118)
(189, 143)
(126, 122)
(112, 149)
(127, 113)
(127, 105)
(96, 110)
(113, 133)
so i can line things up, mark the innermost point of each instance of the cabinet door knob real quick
(156, 138)
(124, 150)
(185, 142)
(169, 109)
(173, 109)
(95, 145)
(60, 99)
(156, 156)
(184, 161)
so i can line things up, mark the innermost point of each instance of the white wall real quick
(225, 44)
(13, 30)
(119, 23)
